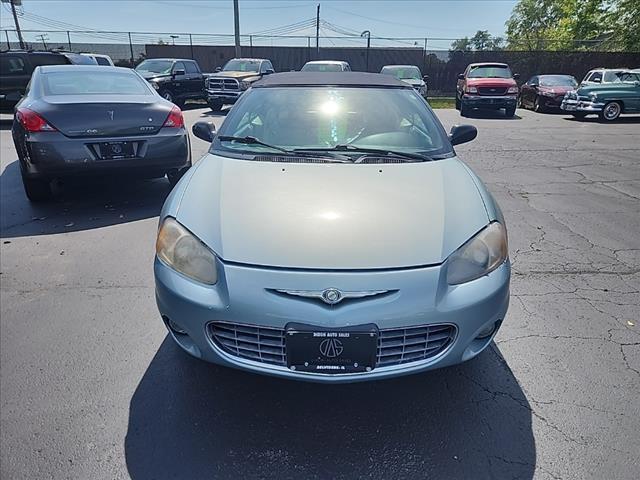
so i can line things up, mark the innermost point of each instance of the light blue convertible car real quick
(332, 235)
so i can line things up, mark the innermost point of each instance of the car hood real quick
(414, 82)
(154, 76)
(332, 216)
(493, 82)
(557, 89)
(235, 74)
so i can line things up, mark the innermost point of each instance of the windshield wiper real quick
(248, 140)
(409, 157)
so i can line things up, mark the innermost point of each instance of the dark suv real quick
(175, 79)
(16, 67)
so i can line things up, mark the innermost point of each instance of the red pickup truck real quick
(487, 86)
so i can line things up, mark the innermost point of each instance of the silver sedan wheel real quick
(611, 111)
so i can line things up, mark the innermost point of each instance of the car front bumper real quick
(583, 106)
(245, 296)
(489, 101)
(225, 96)
(52, 154)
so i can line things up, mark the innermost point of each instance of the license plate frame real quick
(116, 150)
(331, 351)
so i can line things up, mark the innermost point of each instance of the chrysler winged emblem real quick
(332, 296)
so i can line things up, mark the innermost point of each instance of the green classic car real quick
(607, 100)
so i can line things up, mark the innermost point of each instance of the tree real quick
(625, 18)
(574, 25)
(462, 44)
(481, 41)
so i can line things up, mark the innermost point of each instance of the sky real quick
(384, 18)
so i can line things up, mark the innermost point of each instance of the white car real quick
(326, 66)
(601, 75)
(100, 59)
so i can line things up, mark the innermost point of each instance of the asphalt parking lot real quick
(92, 387)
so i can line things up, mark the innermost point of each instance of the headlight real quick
(472, 90)
(244, 85)
(479, 256)
(512, 90)
(182, 251)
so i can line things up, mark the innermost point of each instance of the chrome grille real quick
(405, 345)
(396, 346)
(261, 344)
(492, 90)
(223, 84)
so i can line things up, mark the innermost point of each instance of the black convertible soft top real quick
(338, 79)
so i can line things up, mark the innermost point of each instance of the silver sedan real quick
(331, 234)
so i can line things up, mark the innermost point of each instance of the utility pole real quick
(236, 22)
(318, 31)
(367, 34)
(15, 19)
(43, 37)
(133, 62)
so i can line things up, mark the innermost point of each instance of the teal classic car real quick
(607, 100)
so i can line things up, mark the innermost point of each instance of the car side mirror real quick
(425, 77)
(269, 71)
(516, 76)
(597, 80)
(462, 134)
(461, 76)
(179, 72)
(204, 131)
(218, 69)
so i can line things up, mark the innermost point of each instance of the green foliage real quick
(574, 25)
(481, 41)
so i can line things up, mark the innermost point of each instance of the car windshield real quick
(319, 117)
(242, 66)
(80, 59)
(403, 73)
(322, 67)
(492, 71)
(558, 81)
(93, 83)
(155, 66)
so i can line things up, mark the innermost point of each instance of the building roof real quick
(338, 79)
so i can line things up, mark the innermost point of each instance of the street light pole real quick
(318, 31)
(367, 34)
(236, 23)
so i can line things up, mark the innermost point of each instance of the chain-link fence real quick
(432, 55)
